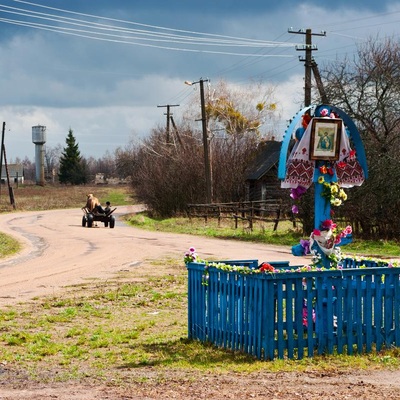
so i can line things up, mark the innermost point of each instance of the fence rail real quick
(295, 314)
(270, 210)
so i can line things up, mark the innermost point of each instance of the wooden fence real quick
(270, 210)
(295, 314)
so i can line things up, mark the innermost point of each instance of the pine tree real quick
(72, 167)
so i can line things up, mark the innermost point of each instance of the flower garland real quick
(267, 268)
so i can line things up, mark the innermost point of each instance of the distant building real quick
(15, 171)
(262, 181)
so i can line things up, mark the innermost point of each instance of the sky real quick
(103, 67)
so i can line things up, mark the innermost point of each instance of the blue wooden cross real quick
(322, 207)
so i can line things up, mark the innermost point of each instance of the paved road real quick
(58, 251)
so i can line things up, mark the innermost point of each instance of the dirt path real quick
(59, 252)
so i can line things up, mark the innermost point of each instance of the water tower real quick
(39, 139)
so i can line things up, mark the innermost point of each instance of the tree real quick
(52, 157)
(167, 175)
(368, 89)
(73, 169)
(240, 110)
(125, 160)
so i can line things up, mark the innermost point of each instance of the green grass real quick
(105, 330)
(285, 235)
(136, 321)
(8, 245)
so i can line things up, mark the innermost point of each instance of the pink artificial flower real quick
(316, 232)
(348, 230)
(328, 224)
(324, 112)
(338, 239)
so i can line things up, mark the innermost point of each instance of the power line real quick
(122, 34)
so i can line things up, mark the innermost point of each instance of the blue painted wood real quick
(351, 127)
(357, 310)
(368, 313)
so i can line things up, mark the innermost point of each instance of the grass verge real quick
(285, 235)
(120, 330)
(123, 329)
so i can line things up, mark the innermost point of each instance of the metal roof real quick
(267, 157)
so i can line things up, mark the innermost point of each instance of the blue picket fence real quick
(296, 314)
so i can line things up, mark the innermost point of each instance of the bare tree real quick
(368, 89)
(52, 160)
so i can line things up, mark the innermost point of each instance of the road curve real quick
(58, 251)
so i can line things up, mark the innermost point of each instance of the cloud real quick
(108, 92)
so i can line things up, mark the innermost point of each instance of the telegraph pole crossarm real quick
(168, 114)
(308, 48)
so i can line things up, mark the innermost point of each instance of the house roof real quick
(267, 157)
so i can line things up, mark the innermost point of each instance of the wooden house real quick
(15, 171)
(262, 181)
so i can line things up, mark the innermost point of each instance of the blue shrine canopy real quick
(351, 130)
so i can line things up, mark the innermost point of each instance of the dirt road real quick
(59, 252)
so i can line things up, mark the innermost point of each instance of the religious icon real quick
(325, 139)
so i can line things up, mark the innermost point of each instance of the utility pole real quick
(168, 114)
(206, 145)
(1, 151)
(176, 131)
(308, 60)
(318, 80)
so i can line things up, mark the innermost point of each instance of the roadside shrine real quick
(328, 153)
(276, 310)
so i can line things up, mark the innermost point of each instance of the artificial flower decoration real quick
(296, 193)
(305, 244)
(333, 193)
(295, 209)
(323, 169)
(190, 256)
(324, 112)
(266, 267)
(328, 224)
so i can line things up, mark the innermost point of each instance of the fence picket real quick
(293, 314)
